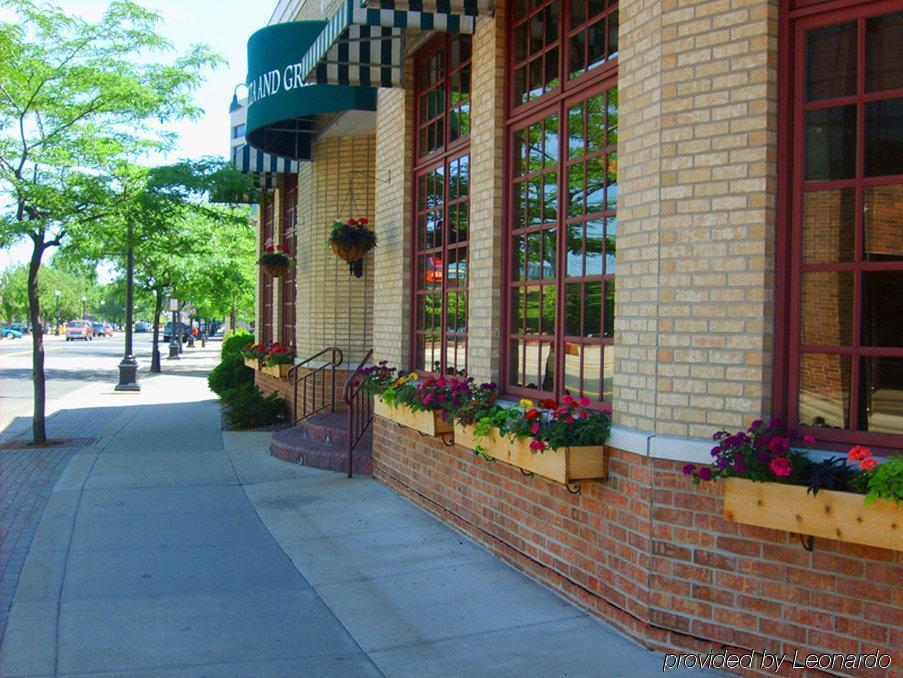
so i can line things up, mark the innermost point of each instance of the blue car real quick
(10, 333)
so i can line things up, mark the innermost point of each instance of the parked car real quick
(98, 329)
(181, 330)
(79, 329)
(142, 326)
(19, 327)
(107, 330)
(10, 333)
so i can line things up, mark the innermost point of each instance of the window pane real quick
(884, 137)
(592, 310)
(609, 328)
(516, 371)
(595, 239)
(572, 368)
(882, 308)
(549, 253)
(884, 223)
(546, 364)
(827, 308)
(831, 62)
(534, 295)
(829, 226)
(573, 299)
(595, 184)
(575, 131)
(518, 299)
(575, 190)
(574, 251)
(825, 390)
(831, 143)
(592, 369)
(533, 253)
(883, 65)
(611, 241)
(549, 306)
(881, 394)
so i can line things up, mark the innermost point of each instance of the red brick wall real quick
(270, 384)
(651, 554)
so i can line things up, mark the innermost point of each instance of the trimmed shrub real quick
(230, 373)
(234, 343)
(247, 407)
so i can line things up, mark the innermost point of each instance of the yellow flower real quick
(413, 375)
(526, 403)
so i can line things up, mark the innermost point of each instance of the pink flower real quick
(583, 402)
(606, 409)
(809, 440)
(567, 400)
(535, 428)
(781, 467)
(583, 414)
(569, 420)
(537, 445)
(868, 464)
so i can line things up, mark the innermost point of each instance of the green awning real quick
(282, 107)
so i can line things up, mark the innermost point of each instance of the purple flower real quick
(705, 473)
(716, 450)
(740, 465)
(722, 462)
(688, 469)
(762, 457)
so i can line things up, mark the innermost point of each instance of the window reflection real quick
(884, 223)
(824, 399)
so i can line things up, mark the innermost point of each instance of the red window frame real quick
(267, 231)
(568, 93)
(289, 223)
(452, 153)
(793, 187)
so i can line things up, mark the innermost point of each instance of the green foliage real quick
(886, 481)
(234, 344)
(230, 373)
(247, 407)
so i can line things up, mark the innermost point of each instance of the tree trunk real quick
(155, 351)
(232, 316)
(38, 423)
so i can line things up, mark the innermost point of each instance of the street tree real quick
(79, 102)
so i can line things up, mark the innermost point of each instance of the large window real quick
(845, 377)
(289, 222)
(562, 200)
(268, 224)
(442, 206)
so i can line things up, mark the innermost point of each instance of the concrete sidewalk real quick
(169, 548)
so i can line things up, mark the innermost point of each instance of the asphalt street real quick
(68, 366)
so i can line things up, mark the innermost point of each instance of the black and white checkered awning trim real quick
(249, 160)
(362, 45)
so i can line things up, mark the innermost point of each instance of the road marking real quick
(15, 355)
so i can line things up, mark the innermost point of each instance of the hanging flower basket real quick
(350, 241)
(275, 261)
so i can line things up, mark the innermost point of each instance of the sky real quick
(225, 26)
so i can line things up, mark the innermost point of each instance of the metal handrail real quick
(360, 409)
(336, 357)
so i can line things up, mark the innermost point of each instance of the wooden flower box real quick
(428, 423)
(831, 515)
(278, 371)
(252, 363)
(563, 465)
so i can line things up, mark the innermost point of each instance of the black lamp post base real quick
(128, 375)
(174, 351)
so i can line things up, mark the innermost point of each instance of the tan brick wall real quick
(392, 260)
(698, 119)
(487, 143)
(333, 308)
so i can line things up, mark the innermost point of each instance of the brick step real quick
(295, 446)
(328, 427)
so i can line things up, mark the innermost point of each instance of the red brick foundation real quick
(652, 555)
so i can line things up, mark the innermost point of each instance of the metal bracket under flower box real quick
(253, 363)
(832, 515)
(278, 371)
(429, 423)
(563, 465)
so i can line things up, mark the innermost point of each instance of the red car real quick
(79, 329)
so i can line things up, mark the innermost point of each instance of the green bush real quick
(247, 407)
(231, 372)
(234, 343)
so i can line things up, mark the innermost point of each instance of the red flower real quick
(868, 464)
(362, 220)
(569, 420)
(269, 248)
(352, 222)
(537, 445)
(532, 414)
(809, 440)
(548, 404)
(781, 467)
(858, 453)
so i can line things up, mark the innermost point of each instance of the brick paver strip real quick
(27, 477)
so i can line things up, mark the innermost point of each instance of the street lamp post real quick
(84, 307)
(175, 345)
(128, 367)
(59, 320)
